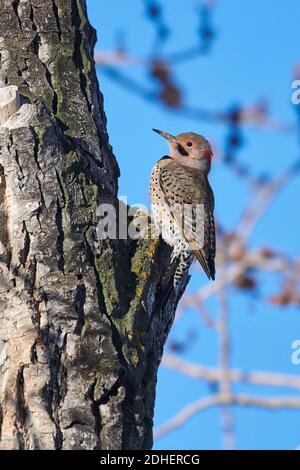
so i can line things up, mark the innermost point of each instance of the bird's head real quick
(189, 149)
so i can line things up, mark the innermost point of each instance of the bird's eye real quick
(189, 144)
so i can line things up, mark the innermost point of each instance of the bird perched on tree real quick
(183, 202)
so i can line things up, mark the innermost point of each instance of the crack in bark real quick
(41, 191)
(23, 255)
(77, 55)
(79, 302)
(90, 395)
(60, 238)
(56, 16)
(48, 76)
(61, 187)
(31, 17)
(15, 5)
(16, 155)
(4, 233)
(103, 400)
(55, 390)
(58, 439)
(51, 408)
(41, 297)
(59, 391)
(55, 97)
(36, 149)
(21, 409)
(91, 259)
(112, 392)
(30, 278)
(33, 354)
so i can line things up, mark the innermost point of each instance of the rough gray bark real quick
(81, 323)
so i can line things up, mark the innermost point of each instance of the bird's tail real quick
(185, 261)
(172, 279)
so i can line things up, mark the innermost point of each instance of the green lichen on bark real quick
(134, 324)
(108, 281)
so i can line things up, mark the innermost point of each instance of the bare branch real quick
(271, 403)
(185, 414)
(213, 375)
(224, 360)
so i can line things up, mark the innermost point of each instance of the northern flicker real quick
(183, 202)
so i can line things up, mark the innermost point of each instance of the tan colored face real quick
(189, 144)
(194, 145)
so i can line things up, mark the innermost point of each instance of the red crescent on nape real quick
(208, 154)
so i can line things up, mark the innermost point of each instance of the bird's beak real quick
(164, 134)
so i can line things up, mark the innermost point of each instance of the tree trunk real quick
(82, 326)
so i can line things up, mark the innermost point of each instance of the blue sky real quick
(253, 57)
